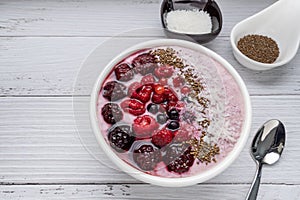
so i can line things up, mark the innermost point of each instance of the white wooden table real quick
(42, 44)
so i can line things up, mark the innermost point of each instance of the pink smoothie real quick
(224, 111)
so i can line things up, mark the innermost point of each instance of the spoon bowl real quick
(266, 148)
(280, 22)
(210, 6)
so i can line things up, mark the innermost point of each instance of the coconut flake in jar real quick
(189, 21)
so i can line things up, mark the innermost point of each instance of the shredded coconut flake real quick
(189, 21)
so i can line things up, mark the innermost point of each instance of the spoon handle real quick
(252, 194)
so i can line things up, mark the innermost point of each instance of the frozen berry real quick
(147, 156)
(143, 126)
(147, 79)
(144, 64)
(163, 81)
(121, 138)
(133, 107)
(185, 90)
(162, 137)
(161, 118)
(178, 157)
(111, 113)
(173, 125)
(114, 91)
(173, 114)
(153, 108)
(164, 71)
(158, 98)
(178, 81)
(123, 72)
(181, 135)
(170, 94)
(133, 87)
(142, 93)
(159, 89)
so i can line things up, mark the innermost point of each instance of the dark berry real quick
(173, 125)
(147, 156)
(162, 137)
(161, 118)
(114, 91)
(111, 113)
(173, 114)
(178, 157)
(144, 64)
(123, 72)
(153, 108)
(121, 138)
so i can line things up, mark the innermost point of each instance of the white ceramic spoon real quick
(281, 22)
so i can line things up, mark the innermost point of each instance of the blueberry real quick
(173, 114)
(173, 125)
(161, 118)
(152, 108)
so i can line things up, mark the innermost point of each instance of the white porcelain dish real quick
(162, 181)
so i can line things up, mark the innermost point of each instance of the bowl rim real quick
(164, 181)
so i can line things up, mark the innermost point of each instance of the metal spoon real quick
(266, 148)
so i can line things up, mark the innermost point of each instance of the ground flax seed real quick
(259, 48)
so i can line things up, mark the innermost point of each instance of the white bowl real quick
(162, 181)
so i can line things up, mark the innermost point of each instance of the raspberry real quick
(114, 91)
(163, 71)
(181, 136)
(111, 113)
(133, 107)
(162, 137)
(133, 87)
(143, 126)
(123, 72)
(158, 98)
(159, 89)
(142, 93)
(178, 81)
(163, 81)
(170, 95)
(144, 64)
(185, 90)
(147, 156)
(121, 138)
(178, 157)
(147, 79)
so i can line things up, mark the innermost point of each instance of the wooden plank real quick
(39, 144)
(137, 191)
(48, 66)
(104, 18)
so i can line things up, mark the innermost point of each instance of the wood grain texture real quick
(100, 18)
(139, 192)
(39, 144)
(48, 66)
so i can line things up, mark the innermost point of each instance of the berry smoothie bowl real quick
(170, 112)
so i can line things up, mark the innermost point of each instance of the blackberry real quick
(147, 156)
(123, 72)
(121, 138)
(178, 157)
(144, 64)
(111, 113)
(114, 91)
